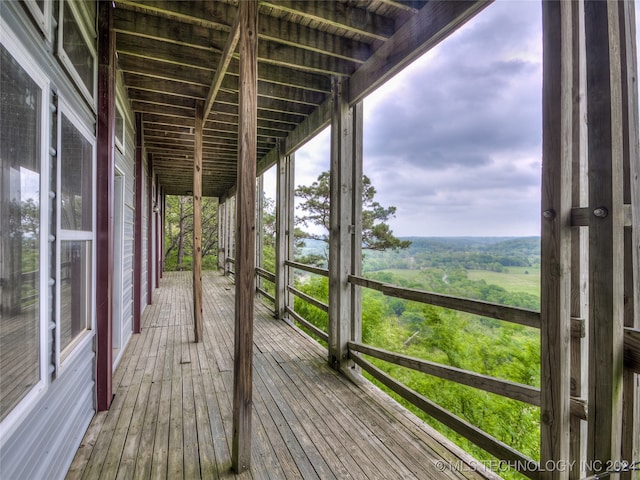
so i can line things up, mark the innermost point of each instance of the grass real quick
(514, 280)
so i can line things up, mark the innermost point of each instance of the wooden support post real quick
(556, 235)
(631, 196)
(245, 248)
(282, 253)
(357, 118)
(259, 227)
(158, 233)
(230, 237)
(285, 208)
(579, 246)
(197, 224)
(150, 230)
(221, 232)
(606, 231)
(341, 226)
(137, 237)
(104, 204)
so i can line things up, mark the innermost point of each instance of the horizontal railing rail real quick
(308, 325)
(266, 294)
(308, 268)
(266, 274)
(309, 299)
(632, 349)
(486, 383)
(529, 318)
(501, 450)
(505, 388)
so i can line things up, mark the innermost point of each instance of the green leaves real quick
(376, 234)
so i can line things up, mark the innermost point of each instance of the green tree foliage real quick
(376, 234)
(178, 233)
(483, 345)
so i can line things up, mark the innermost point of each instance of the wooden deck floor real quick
(171, 414)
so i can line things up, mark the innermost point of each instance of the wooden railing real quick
(507, 389)
(520, 316)
(504, 388)
(318, 332)
(269, 276)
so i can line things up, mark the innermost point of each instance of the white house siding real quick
(44, 433)
(125, 163)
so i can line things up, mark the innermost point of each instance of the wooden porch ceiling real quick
(173, 53)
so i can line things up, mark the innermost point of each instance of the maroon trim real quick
(137, 244)
(158, 234)
(104, 204)
(150, 230)
(163, 216)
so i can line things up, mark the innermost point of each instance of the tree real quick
(376, 234)
(179, 232)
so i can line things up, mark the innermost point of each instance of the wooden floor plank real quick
(171, 414)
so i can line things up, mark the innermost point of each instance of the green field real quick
(515, 280)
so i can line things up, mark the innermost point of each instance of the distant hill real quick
(482, 253)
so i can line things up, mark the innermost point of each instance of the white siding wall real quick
(125, 162)
(42, 442)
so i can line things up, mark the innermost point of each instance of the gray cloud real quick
(460, 132)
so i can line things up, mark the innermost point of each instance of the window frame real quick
(65, 356)
(41, 17)
(20, 54)
(89, 35)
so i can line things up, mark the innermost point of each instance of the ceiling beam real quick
(339, 15)
(223, 65)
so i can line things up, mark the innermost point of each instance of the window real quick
(41, 12)
(75, 234)
(20, 236)
(76, 48)
(120, 128)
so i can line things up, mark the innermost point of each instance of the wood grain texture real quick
(171, 416)
(477, 307)
(556, 203)
(606, 249)
(245, 238)
(197, 224)
(341, 224)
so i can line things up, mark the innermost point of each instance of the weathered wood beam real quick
(339, 15)
(137, 236)
(282, 232)
(104, 204)
(272, 29)
(341, 223)
(245, 244)
(223, 65)
(173, 87)
(149, 228)
(606, 249)
(579, 249)
(197, 224)
(156, 37)
(631, 198)
(274, 76)
(556, 203)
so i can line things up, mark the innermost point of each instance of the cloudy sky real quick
(454, 141)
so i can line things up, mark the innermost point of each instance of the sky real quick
(455, 140)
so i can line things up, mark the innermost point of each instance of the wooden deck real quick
(171, 414)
